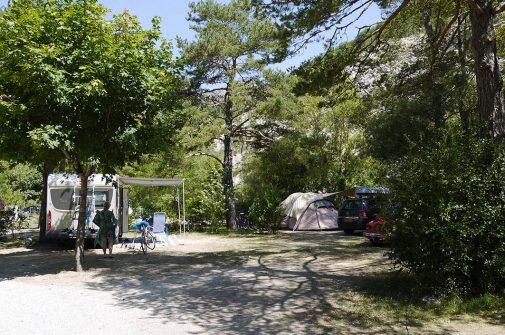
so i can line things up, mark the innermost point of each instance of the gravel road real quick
(289, 284)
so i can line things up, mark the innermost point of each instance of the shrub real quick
(7, 222)
(205, 207)
(450, 230)
(263, 212)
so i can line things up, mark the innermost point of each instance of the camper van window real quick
(101, 196)
(62, 198)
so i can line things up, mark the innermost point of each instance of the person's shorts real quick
(107, 242)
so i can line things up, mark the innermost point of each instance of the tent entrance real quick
(178, 183)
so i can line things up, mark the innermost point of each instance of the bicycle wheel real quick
(150, 240)
(143, 245)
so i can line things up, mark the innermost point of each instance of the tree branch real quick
(76, 165)
(449, 25)
(363, 7)
(258, 134)
(239, 126)
(211, 90)
(475, 7)
(378, 33)
(500, 9)
(207, 155)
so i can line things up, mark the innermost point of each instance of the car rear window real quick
(352, 204)
(373, 205)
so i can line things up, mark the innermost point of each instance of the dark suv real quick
(355, 213)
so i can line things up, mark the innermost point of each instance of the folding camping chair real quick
(160, 231)
(159, 221)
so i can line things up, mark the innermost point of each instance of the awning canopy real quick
(150, 181)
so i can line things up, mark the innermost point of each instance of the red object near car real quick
(375, 231)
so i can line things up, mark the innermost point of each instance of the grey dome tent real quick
(309, 211)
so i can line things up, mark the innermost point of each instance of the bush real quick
(205, 200)
(7, 222)
(262, 211)
(450, 230)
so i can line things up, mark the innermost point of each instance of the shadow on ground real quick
(288, 284)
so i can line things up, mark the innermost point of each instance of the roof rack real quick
(365, 191)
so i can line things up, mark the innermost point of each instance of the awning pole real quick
(183, 207)
(179, 210)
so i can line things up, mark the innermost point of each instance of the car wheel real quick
(348, 231)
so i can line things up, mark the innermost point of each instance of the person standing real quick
(107, 223)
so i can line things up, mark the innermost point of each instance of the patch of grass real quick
(397, 297)
(486, 305)
(223, 230)
(217, 230)
(9, 243)
(33, 221)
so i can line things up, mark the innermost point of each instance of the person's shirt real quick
(106, 220)
(138, 225)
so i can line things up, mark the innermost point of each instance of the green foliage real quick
(226, 32)
(319, 150)
(446, 199)
(225, 65)
(452, 200)
(203, 189)
(78, 85)
(9, 222)
(204, 197)
(304, 21)
(500, 35)
(9, 195)
(6, 221)
(324, 72)
(19, 183)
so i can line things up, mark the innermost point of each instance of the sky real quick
(174, 13)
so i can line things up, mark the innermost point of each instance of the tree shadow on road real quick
(295, 284)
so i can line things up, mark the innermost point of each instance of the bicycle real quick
(147, 240)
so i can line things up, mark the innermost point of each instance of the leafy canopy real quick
(75, 83)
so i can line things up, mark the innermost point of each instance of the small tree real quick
(225, 65)
(87, 87)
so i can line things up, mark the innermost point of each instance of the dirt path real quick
(285, 284)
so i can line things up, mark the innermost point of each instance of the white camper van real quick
(63, 204)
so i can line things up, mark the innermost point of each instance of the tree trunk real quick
(229, 195)
(435, 102)
(464, 114)
(487, 72)
(81, 222)
(46, 171)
